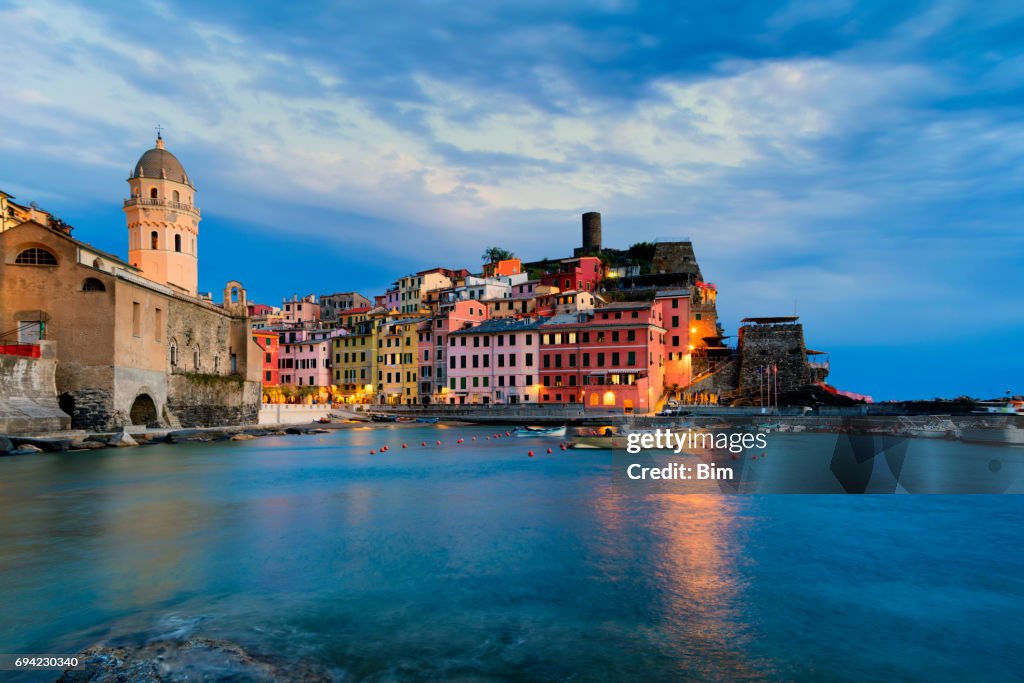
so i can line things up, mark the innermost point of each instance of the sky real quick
(861, 163)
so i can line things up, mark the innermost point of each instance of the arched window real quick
(174, 353)
(154, 240)
(177, 243)
(97, 264)
(36, 256)
(91, 284)
(177, 197)
(195, 357)
(152, 192)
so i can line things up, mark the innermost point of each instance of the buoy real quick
(530, 454)
(488, 438)
(405, 445)
(460, 441)
(506, 433)
(763, 454)
(549, 450)
(563, 446)
(373, 452)
(474, 438)
(438, 443)
(424, 443)
(754, 458)
(383, 448)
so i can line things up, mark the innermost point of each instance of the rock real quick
(50, 445)
(196, 436)
(279, 432)
(242, 437)
(295, 430)
(196, 659)
(87, 445)
(122, 440)
(5, 445)
(26, 449)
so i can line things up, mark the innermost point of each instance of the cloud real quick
(863, 158)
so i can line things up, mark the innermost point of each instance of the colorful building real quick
(433, 361)
(304, 356)
(296, 311)
(613, 358)
(355, 360)
(580, 274)
(398, 362)
(332, 306)
(494, 362)
(268, 341)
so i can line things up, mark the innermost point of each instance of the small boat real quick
(428, 420)
(541, 431)
(377, 417)
(405, 418)
(324, 420)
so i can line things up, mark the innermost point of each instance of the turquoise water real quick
(476, 562)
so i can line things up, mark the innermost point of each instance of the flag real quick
(775, 369)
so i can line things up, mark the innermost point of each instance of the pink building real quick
(611, 358)
(673, 309)
(304, 356)
(298, 311)
(433, 346)
(494, 362)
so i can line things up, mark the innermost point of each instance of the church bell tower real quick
(163, 221)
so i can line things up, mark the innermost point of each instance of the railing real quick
(150, 201)
(23, 350)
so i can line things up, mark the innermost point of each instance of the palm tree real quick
(495, 254)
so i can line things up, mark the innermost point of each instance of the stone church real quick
(135, 342)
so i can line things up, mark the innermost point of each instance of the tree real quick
(495, 254)
(641, 251)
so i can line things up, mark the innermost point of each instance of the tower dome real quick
(159, 163)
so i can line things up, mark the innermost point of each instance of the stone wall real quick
(213, 400)
(767, 345)
(28, 394)
(675, 257)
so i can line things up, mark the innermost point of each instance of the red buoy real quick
(460, 441)
(373, 452)
(438, 443)
(754, 458)
(530, 454)
(424, 443)
(549, 450)
(405, 445)
(474, 438)
(506, 434)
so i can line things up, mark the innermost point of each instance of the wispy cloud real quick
(861, 158)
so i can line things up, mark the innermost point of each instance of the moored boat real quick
(541, 431)
(428, 420)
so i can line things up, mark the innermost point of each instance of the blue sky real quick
(863, 160)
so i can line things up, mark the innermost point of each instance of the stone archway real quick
(143, 410)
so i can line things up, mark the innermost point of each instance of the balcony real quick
(164, 203)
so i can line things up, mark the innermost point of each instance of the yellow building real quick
(355, 360)
(398, 362)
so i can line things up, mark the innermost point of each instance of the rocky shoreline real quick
(195, 659)
(81, 441)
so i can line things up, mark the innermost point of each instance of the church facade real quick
(136, 344)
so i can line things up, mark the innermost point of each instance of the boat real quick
(324, 420)
(377, 417)
(541, 431)
(1005, 435)
(428, 420)
(405, 418)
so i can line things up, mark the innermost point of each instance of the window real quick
(174, 354)
(159, 315)
(631, 335)
(615, 358)
(176, 196)
(675, 321)
(152, 193)
(36, 256)
(631, 358)
(529, 360)
(154, 240)
(91, 284)
(136, 319)
(177, 243)
(195, 357)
